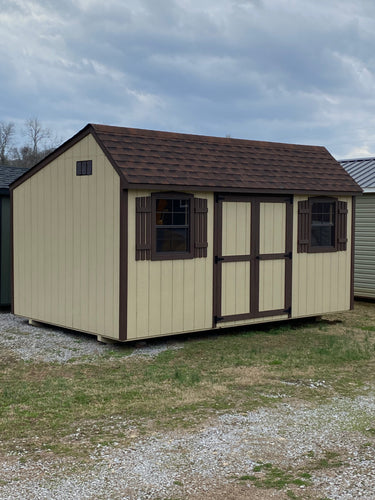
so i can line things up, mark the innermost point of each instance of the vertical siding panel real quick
(84, 250)
(189, 289)
(100, 246)
(47, 265)
(225, 230)
(143, 299)
(108, 289)
(76, 309)
(155, 312)
(132, 269)
(240, 225)
(166, 293)
(69, 172)
(33, 248)
(55, 285)
(200, 284)
(178, 297)
(92, 257)
(41, 250)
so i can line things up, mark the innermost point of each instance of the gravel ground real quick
(51, 344)
(205, 464)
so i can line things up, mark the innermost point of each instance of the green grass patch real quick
(236, 370)
(269, 476)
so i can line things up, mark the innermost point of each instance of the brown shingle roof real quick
(164, 160)
(147, 157)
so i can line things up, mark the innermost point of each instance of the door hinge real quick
(218, 318)
(289, 310)
(289, 255)
(220, 197)
(218, 259)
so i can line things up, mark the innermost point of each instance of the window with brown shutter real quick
(171, 226)
(322, 225)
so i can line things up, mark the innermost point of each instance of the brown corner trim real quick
(218, 228)
(123, 293)
(289, 251)
(352, 255)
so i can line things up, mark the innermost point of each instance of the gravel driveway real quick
(208, 463)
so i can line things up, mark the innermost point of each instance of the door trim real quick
(254, 257)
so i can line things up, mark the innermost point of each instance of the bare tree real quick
(6, 139)
(37, 135)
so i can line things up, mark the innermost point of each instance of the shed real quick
(130, 234)
(363, 172)
(7, 176)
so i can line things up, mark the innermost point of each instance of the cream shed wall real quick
(168, 296)
(321, 282)
(66, 243)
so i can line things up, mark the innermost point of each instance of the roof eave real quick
(220, 189)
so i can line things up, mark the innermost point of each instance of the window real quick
(172, 223)
(322, 225)
(171, 226)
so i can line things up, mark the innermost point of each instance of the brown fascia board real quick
(220, 189)
(88, 129)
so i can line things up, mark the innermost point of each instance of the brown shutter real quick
(303, 226)
(143, 228)
(342, 217)
(200, 227)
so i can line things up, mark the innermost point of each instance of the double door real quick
(253, 257)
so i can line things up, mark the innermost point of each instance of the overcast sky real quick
(297, 71)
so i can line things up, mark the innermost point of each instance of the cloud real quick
(284, 70)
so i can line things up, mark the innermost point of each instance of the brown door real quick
(253, 252)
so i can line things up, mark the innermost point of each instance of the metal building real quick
(7, 176)
(363, 172)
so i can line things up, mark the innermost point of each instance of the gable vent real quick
(84, 167)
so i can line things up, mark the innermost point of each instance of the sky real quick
(295, 71)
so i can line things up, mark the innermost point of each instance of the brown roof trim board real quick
(164, 160)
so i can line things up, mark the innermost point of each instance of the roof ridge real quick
(101, 128)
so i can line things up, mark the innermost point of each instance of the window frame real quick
(171, 255)
(318, 248)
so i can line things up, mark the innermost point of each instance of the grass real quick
(267, 475)
(271, 476)
(70, 408)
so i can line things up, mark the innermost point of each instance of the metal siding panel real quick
(5, 251)
(364, 263)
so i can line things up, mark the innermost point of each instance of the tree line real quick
(38, 143)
